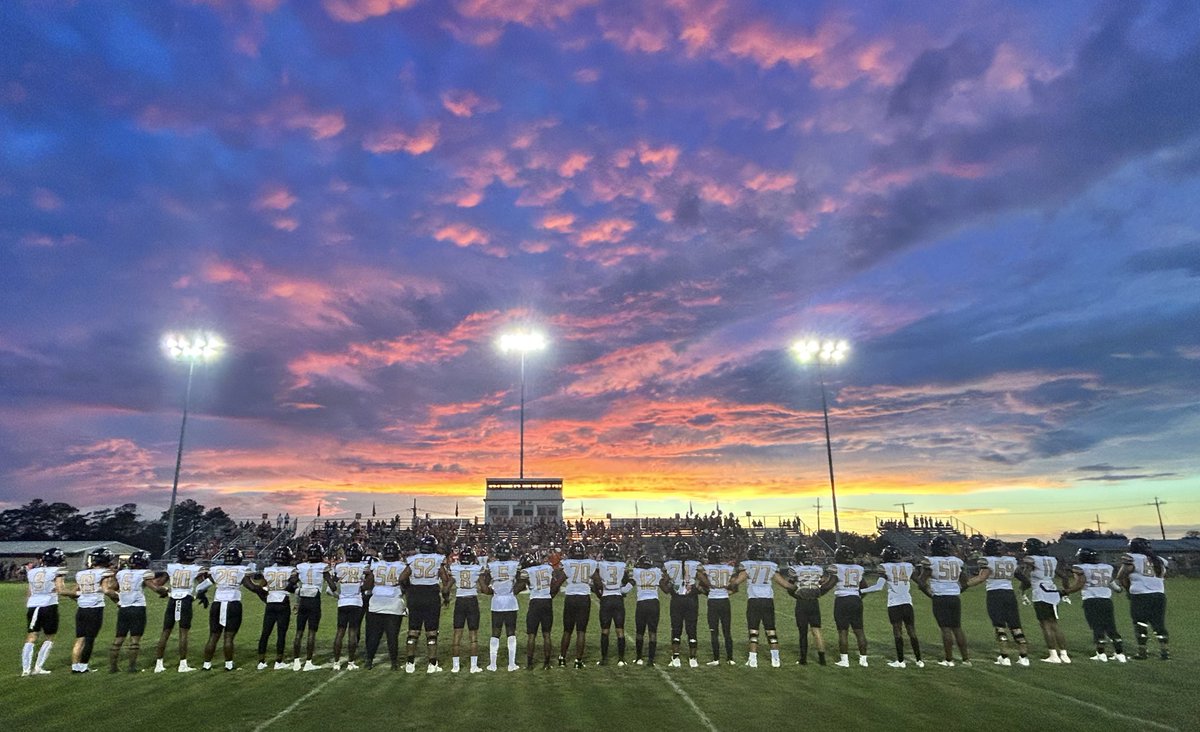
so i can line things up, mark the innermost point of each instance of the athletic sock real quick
(774, 655)
(43, 653)
(454, 663)
(27, 657)
(494, 650)
(512, 650)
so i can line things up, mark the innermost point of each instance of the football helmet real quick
(466, 555)
(890, 554)
(1086, 555)
(354, 552)
(284, 555)
(611, 552)
(682, 550)
(232, 555)
(139, 560)
(188, 553)
(390, 551)
(528, 560)
(1140, 546)
(993, 548)
(713, 553)
(756, 551)
(1034, 546)
(502, 551)
(643, 562)
(428, 544)
(53, 557)
(844, 555)
(802, 555)
(577, 550)
(941, 546)
(100, 557)
(315, 552)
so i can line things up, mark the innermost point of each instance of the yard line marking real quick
(291, 708)
(1088, 704)
(684, 695)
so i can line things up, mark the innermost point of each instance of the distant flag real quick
(635, 511)
(689, 508)
(372, 509)
(581, 509)
(456, 509)
(318, 509)
(718, 506)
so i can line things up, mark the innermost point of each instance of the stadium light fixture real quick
(190, 349)
(823, 353)
(522, 342)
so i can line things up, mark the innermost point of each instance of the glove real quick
(1066, 599)
(1025, 599)
(202, 598)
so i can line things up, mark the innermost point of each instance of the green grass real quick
(1084, 695)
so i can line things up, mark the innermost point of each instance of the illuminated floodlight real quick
(522, 342)
(197, 347)
(824, 351)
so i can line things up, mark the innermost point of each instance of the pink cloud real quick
(587, 76)
(625, 369)
(418, 142)
(524, 12)
(574, 163)
(659, 159)
(466, 103)
(321, 125)
(285, 223)
(220, 272)
(46, 200)
(767, 45)
(354, 11)
(276, 198)
(462, 235)
(766, 181)
(560, 222)
(607, 231)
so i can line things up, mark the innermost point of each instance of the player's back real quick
(719, 576)
(466, 579)
(849, 577)
(228, 581)
(944, 573)
(898, 575)
(579, 576)
(1001, 572)
(43, 586)
(1144, 577)
(540, 578)
(503, 575)
(277, 577)
(682, 573)
(647, 580)
(1096, 580)
(350, 576)
(760, 574)
(129, 587)
(311, 576)
(426, 568)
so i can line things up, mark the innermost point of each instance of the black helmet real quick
(427, 544)
(843, 555)
(284, 555)
(890, 554)
(233, 555)
(139, 560)
(354, 552)
(188, 553)
(1140, 546)
(577, 550)
(391, 551)
(756, 551)
(53, 557)
(1034, 546)
(713, 553)
(315, 552)
(1087, 556)
(993, 548)
(683, 550)
(643, 562)
(611, 552)
(502, 550)
(528, 560)
(101, 557)
(941, 546)
(802, 555)
(466, 555)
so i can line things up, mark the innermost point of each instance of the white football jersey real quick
(277, 576)
(760, 578)
(43, 588)
(849, 576)
(504, 576)
(579, 575)
(1096, 579)
(466, 577)
(612, 577)
(350, 577)
(540, 579)
(719, 576)
(129, 587)
(1143, 579)
(1041, 576)
(682, 574)
(647, 581)
(312, 578)
(1001, 572)
(426, 569)
(228, 580)
(897, 576)
(943, 575)
(386, 596)
(91, 586)
(183, 579)
(808, 576)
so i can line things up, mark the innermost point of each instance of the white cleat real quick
(476, 670)
(843, 664)
(714, 662)
(752, 662)
(862, 661)
(25, 672)
(731, 662)
(1003, 661)
(947, 664)
(1023, 661)
(897, 664)
(454, 669)
(1119, 658)
(433, 668)
(639, 662)
(185, 669)
(621, 664)
(514, 667)
(920, 664)
(491, 667)
(693, 663)
(674, 663)
(159, 669)
(337, 665)
(39, 671)
(282, 666)
(351, 666)
(1062, 656)
(1099, 657)
(774, 663)
(261, 665)
(296, 665)
(310, 666)
(410, 668)
(1051, 659)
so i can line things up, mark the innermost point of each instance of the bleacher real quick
(912, 534)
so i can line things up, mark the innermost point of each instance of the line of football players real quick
(385, 588)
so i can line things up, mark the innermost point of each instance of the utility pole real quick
(904, 509)
(818, 507)
(1098, 522)
(1158, 507)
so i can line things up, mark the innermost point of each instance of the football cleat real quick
(351, 666)
(39, 672)
(774, 663)
(897, 664)
(947, 664)
(491, 667)
(713, 662)
(675, 663)
(639, 662)
(752, 662)
(844, 663)
(693, 663)
(1003, 661)
(965, 662)
(514, 667)
(310, 666)
(920, 664)
(1023, 661)
(296, 664)
(621, 664)
(433, 668)
(477, 670)
(281, 666)
(337, 665)
(410, 667)
(862, 661)
(1120, 658)
(184, 668)
(1099, 657)
(578, 663)
(261, 665)
(1062, 656)
(731, 662)
(1051, 659)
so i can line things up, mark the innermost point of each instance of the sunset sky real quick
(994, 203)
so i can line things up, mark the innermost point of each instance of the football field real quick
(1139, 695)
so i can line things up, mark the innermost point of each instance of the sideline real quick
(292, 707)
(1090, 705)
(684, 695)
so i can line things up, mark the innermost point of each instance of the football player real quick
(131, 604)
(714, 578)
(464, 577)
(1095, 580)
(845, 578)
(613, 583)
(311, 575)
(941, 577)
(44, 585)
(760, 576)
(426, 573)
(648, 579)
(386, 606)
(806, 575)
(225, 613)
(280, 580)
(1039, 570)
(680, 580)
(1142, 572)
(896, 575)
(580, 570)
(183, 575)
(543, 582)
(349, 579)
(996, 571)
(92, 585)
(498, 580)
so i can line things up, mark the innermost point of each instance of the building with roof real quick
(523, 501)
(26, 552)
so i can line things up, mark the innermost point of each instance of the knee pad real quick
(771, 638)
(1019, 635)
(1002, 635)
(1162, 637)
(675, 639)
(754, 636)
(691, 641)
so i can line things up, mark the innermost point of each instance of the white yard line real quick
(684, 695)
(292, 707)
(1090, 705)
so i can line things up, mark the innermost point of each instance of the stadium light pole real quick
(823, 353)
(523, 342)
(193, 349)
